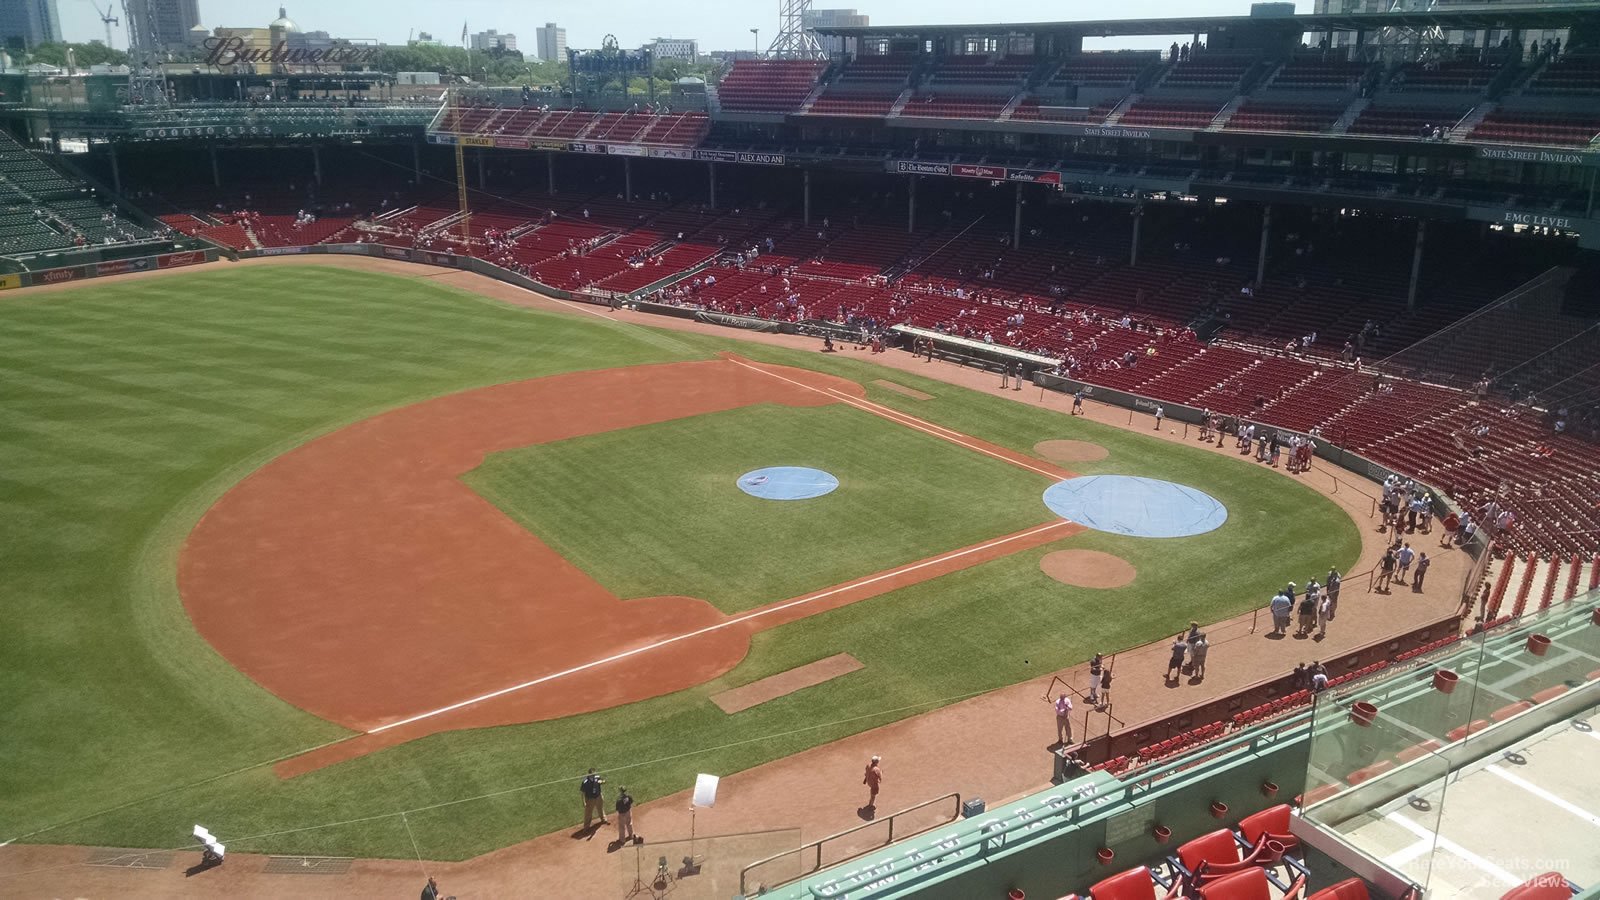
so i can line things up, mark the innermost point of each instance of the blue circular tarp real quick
(787, 483)
(1140, 507)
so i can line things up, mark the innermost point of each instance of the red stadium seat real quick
(1549, 886)
(1506, 712)
(1348, 889)
(1550, 693)
(1248, 884)
(1272, 822)
(1134, 884)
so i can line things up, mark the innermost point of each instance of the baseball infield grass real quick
(130, 407)
(655, 511)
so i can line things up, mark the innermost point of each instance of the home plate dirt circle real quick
(1088, 569)
(1070, 451)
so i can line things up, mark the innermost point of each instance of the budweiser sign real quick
(228, 51)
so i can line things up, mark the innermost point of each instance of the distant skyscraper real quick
(552, 42)
(489, 40)
(165, 23)
(29, 23)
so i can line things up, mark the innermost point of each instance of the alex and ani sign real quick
(227, 51)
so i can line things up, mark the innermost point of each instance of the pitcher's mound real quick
(1088, 568)
(1069, 451)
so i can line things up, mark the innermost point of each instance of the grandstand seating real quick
(983, 70)
(1314, 73)
(1574, 74)
(768, 86)
(42, 210)
(1285, 115)
(629, 127)
(1573, 129)
(956, 106)
(895, 67)
(1102, 69)
(839, 100)
(1472, 75)
(1406, 120)
(1209, 70)
(1173, 113)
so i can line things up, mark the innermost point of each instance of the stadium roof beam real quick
(1548, 17)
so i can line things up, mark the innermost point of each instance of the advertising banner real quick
(990, 173)
(122, 266)
(477, 141)
(905, 167)
(626, 150)
(671, 153)
(186, 258)
(1035, 176)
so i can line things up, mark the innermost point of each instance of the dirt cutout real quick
(1070, 451)
(1088, 569)
(783, 684)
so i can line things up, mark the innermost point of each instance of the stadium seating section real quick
(42, 210)
(632, 127)
(768, 86)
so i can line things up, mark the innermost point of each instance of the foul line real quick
(1456, 850)
(728, 623)
(1545, 795)
(894, 415)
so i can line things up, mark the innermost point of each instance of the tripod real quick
(640, 886)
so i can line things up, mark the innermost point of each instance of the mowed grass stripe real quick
(126, 699)
(116, 698)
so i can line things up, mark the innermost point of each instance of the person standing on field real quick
(873, 779)
(593, 802)
(624, 809)
(1063, 705)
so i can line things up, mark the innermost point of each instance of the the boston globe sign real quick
(229, 51)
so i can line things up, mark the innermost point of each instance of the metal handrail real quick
(817, 844)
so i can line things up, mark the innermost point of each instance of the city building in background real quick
(813, 19)
(1443, 36)
(492, 40)
(686, 49)
(28, 23)
(165, 23)
(551, 42)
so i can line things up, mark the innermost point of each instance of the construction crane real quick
(107, 18)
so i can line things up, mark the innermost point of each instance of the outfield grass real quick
(130, 407)
(655, 511)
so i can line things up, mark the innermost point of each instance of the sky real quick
(718, 25)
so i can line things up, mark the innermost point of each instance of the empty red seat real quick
(1549, 886)
(1272, 822)
(1134, 884)
(1506, 712)
(1418, 751)
(1348, 889)
(1369, 772)
(1462, 731)
(1549, 693)
(1248, 884)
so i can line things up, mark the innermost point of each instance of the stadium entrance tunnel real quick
(1135, 506)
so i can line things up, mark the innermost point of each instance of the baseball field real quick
(342, 563)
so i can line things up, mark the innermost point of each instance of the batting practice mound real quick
(1088, 568)
(1070, 451)
(357, 577)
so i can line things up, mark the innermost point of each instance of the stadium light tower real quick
(794, 41)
